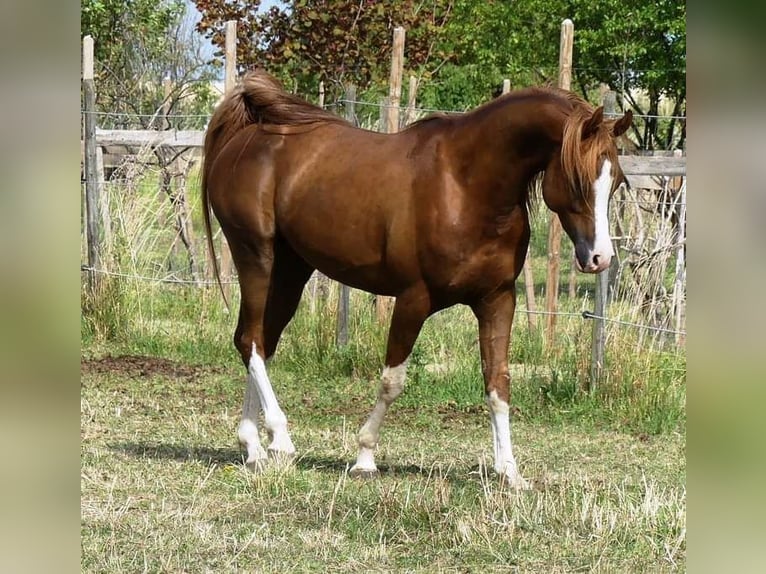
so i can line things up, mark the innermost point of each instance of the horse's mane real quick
(579, 161)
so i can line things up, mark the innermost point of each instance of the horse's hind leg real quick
(288, 277)
(254, 267)
(253, 288)
(247, 432)
(410, 312)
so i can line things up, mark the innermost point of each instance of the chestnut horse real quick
(434, 215)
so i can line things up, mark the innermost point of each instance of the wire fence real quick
(335, 104)
(169, 280)
(647, 250)
(667, 131)
(149, 211)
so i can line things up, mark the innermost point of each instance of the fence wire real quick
(335, 103)
(206, 283)
(637, 247)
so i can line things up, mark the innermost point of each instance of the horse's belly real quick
(355, 255)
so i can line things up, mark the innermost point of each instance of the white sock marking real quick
(391, 385)
(248, 426)
(505, 463)
(602, 244)
(249, 437)
(274, 419)
(365, 460)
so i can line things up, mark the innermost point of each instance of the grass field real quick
(164, 490)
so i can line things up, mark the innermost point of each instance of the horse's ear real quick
(622, 125)
(594, 122)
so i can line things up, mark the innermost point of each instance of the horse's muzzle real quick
(589, 260)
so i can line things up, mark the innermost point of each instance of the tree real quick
(137, 45)
(487, 42)
(464, 48)
(633, 47)
(307, 41)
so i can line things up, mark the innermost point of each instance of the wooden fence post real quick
(344, 293)
(395, 82)
(92, 183)
(341, 327)
(599, 333)
(106, 228)
(319, 282)
(385, 108)
(554, 225)
(383, 304)
(572, 289)
(609, 101)
(230, 69)
(680, 278)
(229, 80)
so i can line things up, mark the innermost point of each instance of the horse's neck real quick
(513, 142)
(531, 126)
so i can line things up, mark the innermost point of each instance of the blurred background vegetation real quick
(460, 51)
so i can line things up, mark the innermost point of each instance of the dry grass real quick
(163, 488)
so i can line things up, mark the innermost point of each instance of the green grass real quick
(163, 487)
(643, 389)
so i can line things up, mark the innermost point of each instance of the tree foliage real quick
(463, 49)
(636, 47)
(306, 41)
(631, 46)
(138, 44)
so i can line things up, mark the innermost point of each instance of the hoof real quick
(364, 473)
(514, 482)
(510, 477)
(256, 460)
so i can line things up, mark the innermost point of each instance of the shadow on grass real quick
(231, 456)
(335, 466)
(179, 452)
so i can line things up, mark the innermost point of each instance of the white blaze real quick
(602, 244)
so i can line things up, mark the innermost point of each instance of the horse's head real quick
(579, 181)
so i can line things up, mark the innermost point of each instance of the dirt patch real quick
(136, 366)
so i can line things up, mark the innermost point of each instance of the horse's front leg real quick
(410, 311)
(495, 315)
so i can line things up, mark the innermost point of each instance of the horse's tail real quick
(231, 115)
(258, 98)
